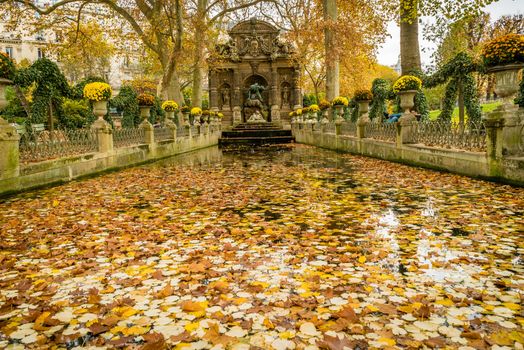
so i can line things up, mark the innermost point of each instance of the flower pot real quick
(170, 115)
(407, 100)
(185, 118)
(196, 119)
(4, 83)
(100, 109)
(363, 106)
(507, 82)
(145, 112)
(339, 109)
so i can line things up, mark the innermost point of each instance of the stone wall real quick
(65, 169)
(485, 165)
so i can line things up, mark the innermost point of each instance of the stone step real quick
(256, 133)
(256, 140)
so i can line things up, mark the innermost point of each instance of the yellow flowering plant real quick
(324, 104)
(298, 112)
(363, 95)
(185, 109)
(291, 114)
(407, 82)
(314, 108)
(220, 115)
(196, 111)
(340, 101)
(97, 91)
(146, 100)
(305, 110)
(170, 106)
(7, 67)
(503, 50)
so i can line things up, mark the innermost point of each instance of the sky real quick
(390, 50)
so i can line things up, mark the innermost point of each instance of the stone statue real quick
(226, 97)
(285, 95)
(255, 92)
(256, 117)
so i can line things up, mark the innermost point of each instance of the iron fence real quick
(330, 128)
(128, 137)
(163, 134)
(470, 136)
(37, 146)
(182, 131)
(382, 131)
(348, 128)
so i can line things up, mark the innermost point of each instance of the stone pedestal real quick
(149, 132)
(237, 115)
(104, 134)
(406, 129)
(362, 122)
(509, 118)
(169, 123)
(9, 152)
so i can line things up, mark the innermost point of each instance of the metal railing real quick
(348, 128)
(37, 146)
(128, 137)
(470, 136)
(382, 131)
(182, 131)
(163, 134)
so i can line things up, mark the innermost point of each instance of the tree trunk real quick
(169, 85)
(409, 45)
(23, 100)
(332, 60)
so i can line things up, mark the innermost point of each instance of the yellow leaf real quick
(190, 327)
(135, 330)
(286, 335)
(372, 308)
(445, 302)
(387, 341)
(362, 259)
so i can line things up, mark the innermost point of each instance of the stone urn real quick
(185, 118)
(363, 106)
(507, 82)
(196, 119)
(339, 112)
(100, 109)
(407, 100)
(170, 115)
(145, 112)
(4, 83)
(299, 118)
(325, 116)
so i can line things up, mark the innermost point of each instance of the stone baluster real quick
(104, 131)
(149, 131)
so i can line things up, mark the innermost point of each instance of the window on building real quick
(9, 51)
(40, 52)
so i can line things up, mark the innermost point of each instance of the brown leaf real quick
(348, 313)
(216, 338)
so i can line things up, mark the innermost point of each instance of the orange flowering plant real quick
(503, 50)
(146, 100)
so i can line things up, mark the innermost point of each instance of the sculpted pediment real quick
(254, 39)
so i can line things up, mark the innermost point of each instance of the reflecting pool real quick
(283, 247)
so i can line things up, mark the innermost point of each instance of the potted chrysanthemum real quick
(98, 93)
(339, 103)
(363, 98)
(145, 102)
(407, 87)
(313, 112)
(170, 107)
(196, 113)
(504, 56)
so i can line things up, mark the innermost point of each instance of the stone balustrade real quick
(492, 148)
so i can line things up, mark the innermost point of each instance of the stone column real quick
(275, 105)
(297, 93)
(213, 93)
(169, 123)
(9, 152)
(103, 129)
(237, 98)
(511, 136)
(494, 125)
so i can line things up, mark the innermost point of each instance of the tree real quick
(332, 61)
(83, 51)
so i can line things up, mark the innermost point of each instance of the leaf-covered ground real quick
(283, 248)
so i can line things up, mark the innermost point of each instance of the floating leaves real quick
(287, 248)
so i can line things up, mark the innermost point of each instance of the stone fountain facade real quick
(253, 76)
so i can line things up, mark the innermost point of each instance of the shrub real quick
(506, 49)
(407, 82)
(363, 95)
(340, 101)
(77, 114)
(196, 111)
(97, 91)
(324, 104)
(146, 100)
(7, 67)
(170, 106)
